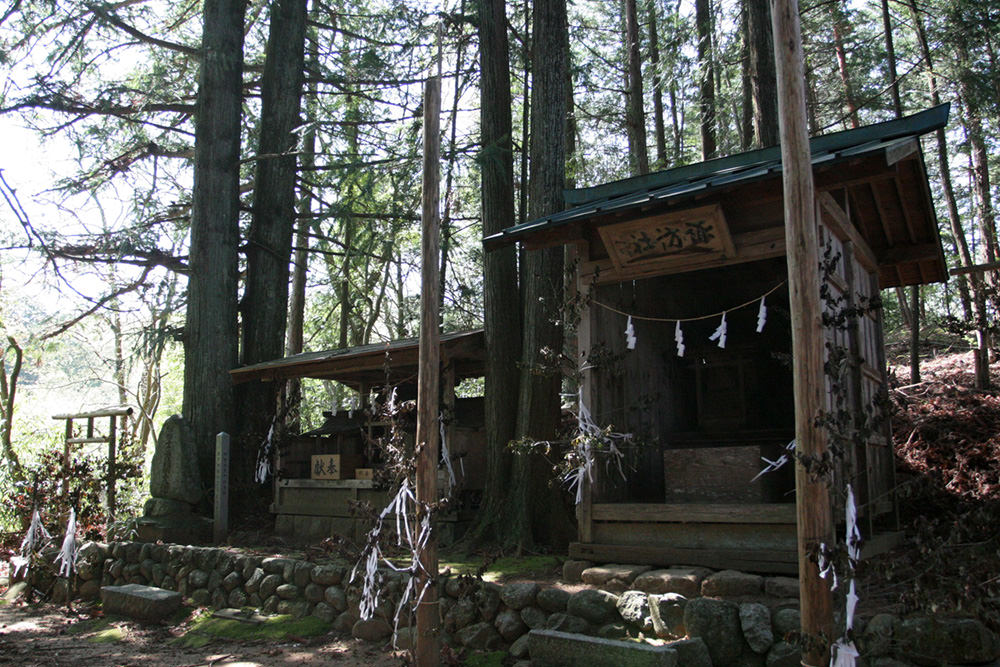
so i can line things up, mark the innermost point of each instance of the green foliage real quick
(53, 490)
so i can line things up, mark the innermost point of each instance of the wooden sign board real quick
(689, 236)
(325, 466)
(364, 473)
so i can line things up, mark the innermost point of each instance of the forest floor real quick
(947, 443)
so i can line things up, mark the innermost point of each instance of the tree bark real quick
(295, 338)
(764, 92)
(654, 61)
(534, 508)
(269, 244)
(8, 400)
(636, 120)
(502, 306)
(210, 329)
(706, 79)
(954, 219)
(839, 26)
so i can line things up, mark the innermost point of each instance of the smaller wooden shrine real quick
(321, 473)
(685, 342)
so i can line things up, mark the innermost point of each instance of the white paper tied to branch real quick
(761, 314)
(630, 334)
(679, 338)
(826, 568)
(588, 432)
(843, 654)
(401, 507)
(264, 456)
(445, 454)
(720, 333)
(775, 464)
(853, 540)
(32, 542)
(68, 554)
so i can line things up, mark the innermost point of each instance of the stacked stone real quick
(710, 618)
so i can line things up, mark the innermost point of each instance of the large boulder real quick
(594, 606)
(634, 608)
(930, 640)
(174, 471)
(684, 581)
(717, 622)
(755, 619)
(667, 615)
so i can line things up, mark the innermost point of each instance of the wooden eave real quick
(395, 362)
(876, 173)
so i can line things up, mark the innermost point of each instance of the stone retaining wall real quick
(685, 606)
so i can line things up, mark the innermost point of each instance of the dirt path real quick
(45, 635)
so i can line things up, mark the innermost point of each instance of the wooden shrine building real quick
(688, 255)
(312, 496)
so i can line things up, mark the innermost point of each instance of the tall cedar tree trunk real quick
(635, 117)
(295, 339)
(763, 81)
(265, 301)
(502, 306)
(706, 78)
(987, 222)
(746, 93)
(897, 107)
(974, 304)
(535, 510)
(210, 328)
(654, 62)
(961, 245)
(839, 26)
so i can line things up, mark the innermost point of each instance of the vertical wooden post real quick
(69, 436)
(812, 494)
(584, 513)
(220, 525)
(427, 651)
(112, 464)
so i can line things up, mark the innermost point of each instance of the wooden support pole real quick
(66, 443)
(427, 647)
(112, 464)
(814, 518)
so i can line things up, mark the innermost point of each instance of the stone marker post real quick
(221, 526)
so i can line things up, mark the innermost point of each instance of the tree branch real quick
(192, 52)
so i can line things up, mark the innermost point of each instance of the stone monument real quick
(175, 487)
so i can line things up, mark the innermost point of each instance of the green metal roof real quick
(661, 186)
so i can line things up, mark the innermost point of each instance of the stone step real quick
(551, 648)
(146, 603)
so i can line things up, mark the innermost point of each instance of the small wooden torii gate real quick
(112, 413)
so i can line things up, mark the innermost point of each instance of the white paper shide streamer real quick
(403, 504)
(679, 338)
(844, 653)
(761, 315)
(32, 542)
(630, 334)
(720, 333)
(69, 552)
(445, 454)
(777, 463)
(588, 433)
